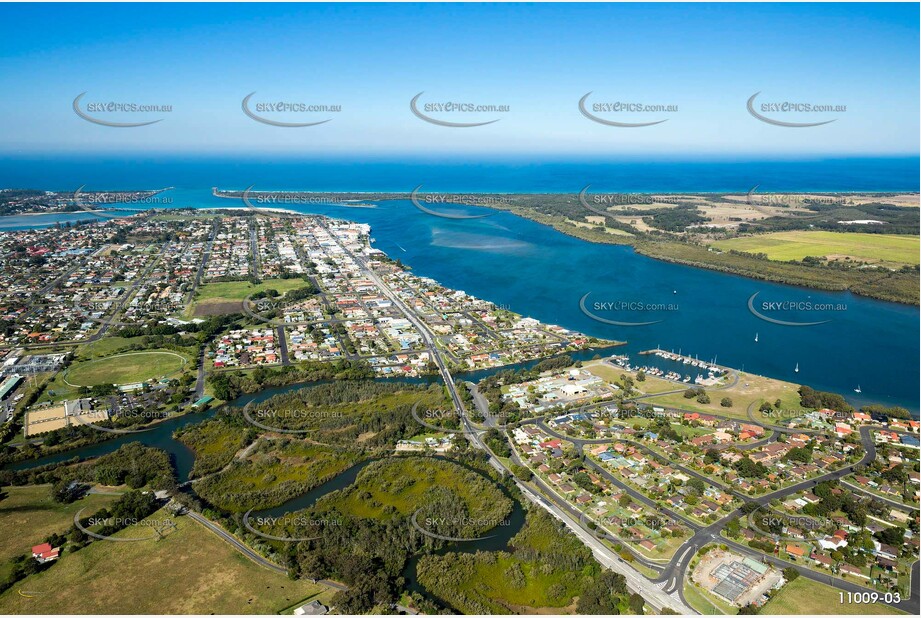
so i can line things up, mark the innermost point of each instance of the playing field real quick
(796, 245)
(189, 571)
(804, 596)
(125, 368)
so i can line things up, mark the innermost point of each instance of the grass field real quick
(612, 374)
(229, 295)
(795, 245)
(28, 515)
(190, 571)
(804, 596)
(126, 368)
(750, 388)
(107, 346)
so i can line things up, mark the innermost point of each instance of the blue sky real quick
(707, 59)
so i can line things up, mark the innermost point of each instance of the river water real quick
(539, 272)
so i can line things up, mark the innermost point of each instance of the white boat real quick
(857, 390)
(797, 368)
(756, 337)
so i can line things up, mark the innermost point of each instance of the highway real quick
(635, 581)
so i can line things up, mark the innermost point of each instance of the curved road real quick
(673, 576)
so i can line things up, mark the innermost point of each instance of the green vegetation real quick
(750, 389)
(355, 414)
(228, 385)
(108, 346)
(128, 368)
(368, 547)
(275, 471)
(882, 283)
(451, 500)
(546, 569)
(189, 571)
(818, 400)
(805, 596)
(228, 296)
(215, 442)
(133, 464)
(796, 245)
(29, 514)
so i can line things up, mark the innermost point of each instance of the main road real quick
(651, 592)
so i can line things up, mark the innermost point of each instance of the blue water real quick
(66, 173)
(541, 273)
(38, 221)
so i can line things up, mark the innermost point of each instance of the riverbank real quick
(888, 285)
(894, 286)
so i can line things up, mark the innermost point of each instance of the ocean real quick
(538, 272)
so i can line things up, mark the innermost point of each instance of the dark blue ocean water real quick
(541, 273)
(66, 173)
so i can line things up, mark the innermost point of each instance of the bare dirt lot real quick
(207, 308)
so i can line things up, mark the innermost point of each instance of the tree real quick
(604, 594)
(521, 473)
(733, 527)
(726, 402)
(748, 610)
(697, 485)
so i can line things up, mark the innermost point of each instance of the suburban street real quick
(674, 574)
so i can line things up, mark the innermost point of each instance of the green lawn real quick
(796, 245)
(750, 388)
(189, 571)
(107, 346)
(612, 375)
(805, 596)
(238, 290)
(28, 515)
(126, 368)
(226, 296)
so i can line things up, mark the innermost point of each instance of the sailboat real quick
(797, 368)
(756, 337)
(857, 390)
